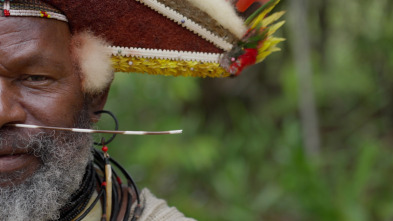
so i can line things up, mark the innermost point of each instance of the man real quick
(55, 71)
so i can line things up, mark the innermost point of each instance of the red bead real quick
(6, 13)
(118, 180)
(105, 149)
(44, 14)
(103, 184)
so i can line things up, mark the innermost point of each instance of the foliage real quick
(241, 155)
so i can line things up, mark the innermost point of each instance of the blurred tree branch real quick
(300, 44)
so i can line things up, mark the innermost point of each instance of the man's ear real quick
(97, 103)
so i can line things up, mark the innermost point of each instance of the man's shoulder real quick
(155, 209)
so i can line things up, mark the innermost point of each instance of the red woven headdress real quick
(169, 37)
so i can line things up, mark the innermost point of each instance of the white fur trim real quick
(224, 13)
(165, 54)
(94, 61)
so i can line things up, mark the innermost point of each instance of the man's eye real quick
(34, 78)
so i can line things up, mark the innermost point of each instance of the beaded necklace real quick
(93, 181)
(80, 198)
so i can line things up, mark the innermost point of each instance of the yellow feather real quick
(272, 18)
(262, 56)
(266, 53)
(269, 43)
(268, 47)
(275, 27)
(276, 40)
(261, 16)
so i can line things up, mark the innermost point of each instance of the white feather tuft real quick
(94, 61)
(224, 13)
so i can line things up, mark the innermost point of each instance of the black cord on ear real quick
(116, 127)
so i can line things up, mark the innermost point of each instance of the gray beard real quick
(40, 197)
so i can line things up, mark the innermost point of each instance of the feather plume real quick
(258, 42)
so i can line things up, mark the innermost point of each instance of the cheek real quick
(53, 107)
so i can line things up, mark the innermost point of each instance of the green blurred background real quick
(243, 154)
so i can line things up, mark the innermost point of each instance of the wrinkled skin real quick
(38, 85)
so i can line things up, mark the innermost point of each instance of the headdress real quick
(204, 38)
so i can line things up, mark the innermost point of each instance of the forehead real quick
(25, 36)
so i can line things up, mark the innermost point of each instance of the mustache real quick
(32, 141)
(43, 142)
(19, 138)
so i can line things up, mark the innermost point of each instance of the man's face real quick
(38, 85)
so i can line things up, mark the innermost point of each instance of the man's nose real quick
(11, 110)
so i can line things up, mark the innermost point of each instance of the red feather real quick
(243, 5)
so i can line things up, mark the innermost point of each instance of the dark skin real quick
(38, 85)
